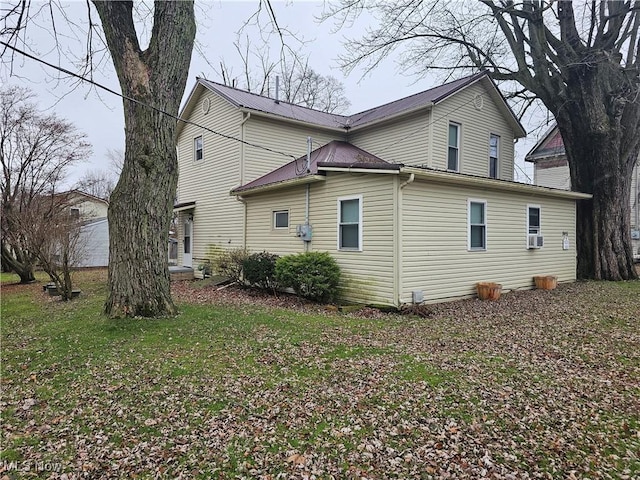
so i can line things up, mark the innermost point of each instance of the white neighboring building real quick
(551, 169)
(94, 232)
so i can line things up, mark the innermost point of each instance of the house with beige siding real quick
(551, 169)
(415, 199)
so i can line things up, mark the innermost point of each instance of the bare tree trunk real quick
(142, 202)
(13, 263)
(599, 130)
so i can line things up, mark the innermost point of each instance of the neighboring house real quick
(414, 199)
(551, 169)
(93, 241)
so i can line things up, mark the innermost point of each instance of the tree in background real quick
(580, 59)
(36, 151)
(54, 238)
(299, 83)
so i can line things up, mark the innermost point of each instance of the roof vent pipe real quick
(277, 88)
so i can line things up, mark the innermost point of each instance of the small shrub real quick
(260, 270)
(228, 263)
(313, 275)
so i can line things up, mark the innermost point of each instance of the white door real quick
(187, 258)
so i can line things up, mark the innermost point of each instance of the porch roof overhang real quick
(182, 207)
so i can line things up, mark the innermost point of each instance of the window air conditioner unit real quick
(536, 241)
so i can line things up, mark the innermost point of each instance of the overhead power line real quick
(134, 100)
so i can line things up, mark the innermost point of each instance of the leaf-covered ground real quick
(540, 384)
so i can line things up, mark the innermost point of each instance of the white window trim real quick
(195, 156)
(360, 222)
(273, 219)
(497, 156)
(531, 205)
(486, 225)
(459, 125)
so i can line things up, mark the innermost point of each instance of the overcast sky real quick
(99, 114)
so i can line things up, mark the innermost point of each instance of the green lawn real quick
(539, 383)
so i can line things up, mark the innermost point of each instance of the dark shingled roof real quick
(241, 98)
(333, 154)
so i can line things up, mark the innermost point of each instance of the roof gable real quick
(550, 145)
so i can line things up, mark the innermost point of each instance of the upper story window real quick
(477, 224)
(74, 213)
(350, 223)
(533, 220)
(281, 219)
(198, 153)
(494, 144)
(453, 159)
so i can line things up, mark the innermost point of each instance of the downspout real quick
(397, 241)
(637, 197)
(244, 222)
(239, 198)
(244, 120)
(308, 191)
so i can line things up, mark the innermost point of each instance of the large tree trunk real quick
(141, 204)
(599, 128)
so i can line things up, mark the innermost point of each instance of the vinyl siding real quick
(554, 177)
(367, 275)
(281, 136)
(261, 236)
(93, 244)
(403, 140)
(89, 208)
(435, 258)
(218, 217)
(477, 125)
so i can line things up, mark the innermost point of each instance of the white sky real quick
(99, 114)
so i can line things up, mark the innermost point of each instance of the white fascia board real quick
(357, 170)
(499, 185)
(278, 185)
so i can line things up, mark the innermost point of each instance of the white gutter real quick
(275, 186)
(470, 181)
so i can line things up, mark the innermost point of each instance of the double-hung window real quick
(453, 159)
(477, 223)
(494, 143)
(281, 219)
(198, 153)
(350, 223)
(533, 220)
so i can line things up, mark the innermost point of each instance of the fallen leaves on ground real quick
(540, 384)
